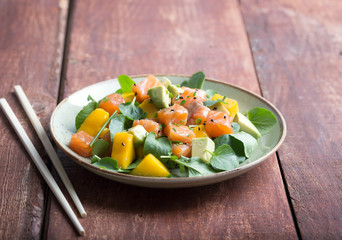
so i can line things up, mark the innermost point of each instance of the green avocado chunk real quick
(175, 90)
(159, 96)
(246, 125)
(200, 148)
(139, 135)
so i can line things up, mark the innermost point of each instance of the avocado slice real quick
(165, 81)
(246, 125)
(139, 134)
(160, 96)
(200, 146)
(220, 108)
(175, 90)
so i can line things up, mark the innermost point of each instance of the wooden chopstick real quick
(48, 147)
(40, 164)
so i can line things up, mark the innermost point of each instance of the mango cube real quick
(94, 122)
(231, 106)
(200, 132)
(148, 107)
(123, 149)
(150, 166)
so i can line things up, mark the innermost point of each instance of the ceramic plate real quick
(63, 126)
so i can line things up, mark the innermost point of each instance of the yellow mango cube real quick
(200, 132)
(148, 107)
(123, 149)
(128, 96)
(104, 132)
(231, 106)
(150, 166)
(94, 122)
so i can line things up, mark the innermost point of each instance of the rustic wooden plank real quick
(297, 51)
(31, 38)
(135, 37)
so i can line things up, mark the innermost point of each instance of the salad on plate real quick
(157, 129)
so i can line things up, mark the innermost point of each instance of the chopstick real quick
(40, 164)
(48, 147)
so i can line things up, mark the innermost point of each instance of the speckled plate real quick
(62, 126)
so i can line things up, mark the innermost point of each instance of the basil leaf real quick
(196, 81)
(196, 167)
(126, 83)
(84, 113)
(236, 127)
(131, 111)
(224, 159)
(157, 146)
(210, 93)
(119, 123)
(110, 164)
(263, 119)
(100, 147)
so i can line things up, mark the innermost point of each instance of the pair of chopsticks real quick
(39, 161)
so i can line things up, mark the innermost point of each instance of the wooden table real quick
(288, 51)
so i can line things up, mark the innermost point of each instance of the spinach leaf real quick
(100, 147)
(110, 164)
(196, 81)
(84, 113)
(157, 146)
(95, 159)
(126, 83)
(263, 119)
(90, 98)
(224, 158)
(134, 164)
(210, 93)
(238, 147)
(119, 123)
(243, 143)
(131, 111)
(196, 167)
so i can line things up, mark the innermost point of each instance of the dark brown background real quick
(288, 51)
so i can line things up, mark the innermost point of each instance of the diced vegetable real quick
(148, 107)
(232, 105)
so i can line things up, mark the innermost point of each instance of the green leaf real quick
(90, 98)
(119, 91)
(100, 147)
(236, 127)
(196, 81)
(95, 159)
(224, 159)
(131, 111)
(195, 166)
(243, 143)
(210, 93)
(237, 146)
(119, 123)
(263, 119)
(84, 113)
(134, 164)
(126, 83)
(157, 146)
(110, 164)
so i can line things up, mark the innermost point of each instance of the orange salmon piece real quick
(197, 111)
(141, 88)
(179, 133)
(217, 124)
(181, 149)
(111, 103)
(79, 143)
(149, 125)
(175, 114)
(190, 95)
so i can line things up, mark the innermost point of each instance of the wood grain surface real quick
(297, 48)
(109, 38)
(31, 41)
